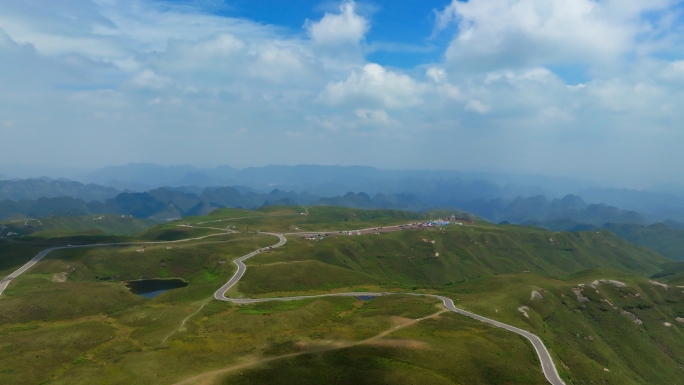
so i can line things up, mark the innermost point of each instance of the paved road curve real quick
(545, 359)
(547, 364)
(6, 281)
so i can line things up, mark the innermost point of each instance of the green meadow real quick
(71, 319)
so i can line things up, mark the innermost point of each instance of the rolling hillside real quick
(596, 308)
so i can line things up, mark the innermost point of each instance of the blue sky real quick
(401, 34)
(590, 89)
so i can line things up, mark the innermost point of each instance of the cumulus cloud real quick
(147, 79)
(512, 33)
(375, 84)
(343, 28)
(477, 106)
(153, 75)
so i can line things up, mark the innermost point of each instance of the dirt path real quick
(208, 378)
(204, 303)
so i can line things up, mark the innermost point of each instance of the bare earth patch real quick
(579, 295)
(633, 317)
(660, 284)
(59, 277)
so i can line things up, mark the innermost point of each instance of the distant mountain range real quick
(147, 190)
(569, 213)
(435, 188)
(48, 188)
(167, 203)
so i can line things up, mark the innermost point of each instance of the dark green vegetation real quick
(672, 273)
(71, 320)
(659, 237)
(52, 227)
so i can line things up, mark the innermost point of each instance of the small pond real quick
(150, 288)
(366, 297)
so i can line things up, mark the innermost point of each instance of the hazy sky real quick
(592, 89)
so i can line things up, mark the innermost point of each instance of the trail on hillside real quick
(338, 346)
(203, 302)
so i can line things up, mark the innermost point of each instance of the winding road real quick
(548, 367)
(6, 281)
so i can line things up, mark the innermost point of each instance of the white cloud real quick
(674, 71)
(147, 79)
(438, 75)
(152, 76)
(511, 33)
(477, 106)
(343, 28)
(375, 84)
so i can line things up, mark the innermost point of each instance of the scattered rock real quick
(660, 284)
(579, 295)
(436, 254)
(669, 325)
(616, 283)
(523, 310)
(565, 366)
(633, 317)
(59, 277)
(609, 303)
(536, 295)
(606, 370)
(679, 319)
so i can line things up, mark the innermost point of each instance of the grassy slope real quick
(590, 336)
(84, 331)
(51, 227)
(286, 219)
(669, 242)
(408, 259)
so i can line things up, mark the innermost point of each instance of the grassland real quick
(91, 329)
(435, 258)
(52, 227)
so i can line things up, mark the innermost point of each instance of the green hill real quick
(51, 227)
(659, 237)
(436, 258)
(72, 318)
